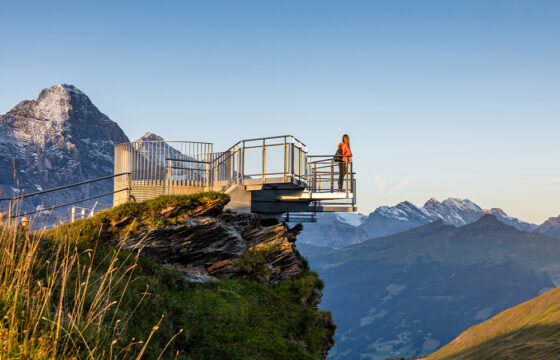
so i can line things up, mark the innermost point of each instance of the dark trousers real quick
(342, 170)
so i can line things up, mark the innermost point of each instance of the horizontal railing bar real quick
(70, 203)
(274, 137)
(191, 169)
(267, 138)
(259, 175)
(260, 146)
(165, 141)
(327, 156)
(64, 187)
(192, 161)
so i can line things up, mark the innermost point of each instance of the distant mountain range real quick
(387, 220)
(344, 229)
(333, 230)
(410, 293)
(60, 138)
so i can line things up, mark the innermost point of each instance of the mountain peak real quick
(550, 227)
(60, 91)
(63, 130)
(148, 136)
(490, 222)
(72, 89)
(432, 201)
(462, 203)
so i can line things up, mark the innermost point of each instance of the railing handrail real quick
(274, 137)
(187, 160)
(164, 141)
(63, 187)
(68, 204)
(312, 156)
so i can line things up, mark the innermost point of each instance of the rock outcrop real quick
(206, 244)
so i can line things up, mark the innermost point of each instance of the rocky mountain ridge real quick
(550, 227)
(58, 139)
(336, 231)
(388, 220)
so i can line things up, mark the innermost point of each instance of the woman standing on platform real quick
(344, 156)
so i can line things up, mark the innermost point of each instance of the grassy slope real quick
(530, 330)
(234, 319)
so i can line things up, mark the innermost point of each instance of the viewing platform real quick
(272, 176)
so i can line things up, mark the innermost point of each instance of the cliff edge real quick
(216, 283)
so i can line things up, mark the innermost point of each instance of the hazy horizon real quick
(440, 99)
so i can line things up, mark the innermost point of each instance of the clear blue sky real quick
(440, 98)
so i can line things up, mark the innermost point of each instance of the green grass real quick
(99, 302)
(528, 331)
(141, 215)
(235, 319)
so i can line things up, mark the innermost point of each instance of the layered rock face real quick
(207, 245)
(60, 138)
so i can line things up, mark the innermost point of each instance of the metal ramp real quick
(271, 176)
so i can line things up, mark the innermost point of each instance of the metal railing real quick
(329, 175)
(260, 161)
(156, 166)
(169, 167)
(13, 213)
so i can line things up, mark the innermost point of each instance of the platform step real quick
(334, 208)
(319, 196)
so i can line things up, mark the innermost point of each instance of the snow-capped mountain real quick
(354, 219)
(60, 138)
(388, 220)
(550, 227)
(333, 230)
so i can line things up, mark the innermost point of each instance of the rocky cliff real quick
(206, 244)
(228, 285)
(58, 139)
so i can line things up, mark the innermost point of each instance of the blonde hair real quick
(346, 139)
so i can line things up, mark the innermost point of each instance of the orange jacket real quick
(346, 152)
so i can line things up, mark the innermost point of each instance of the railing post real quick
(264, 161)
(216, 171)
(314, 172)
(10, 205)
(306, 166)
(292, 167)
(238, 164)
(347, 177)
(169, 176)
(208, 174)
(285, 178)
(332, 176)
(299, 162)
(129, 191)
(242, 163)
